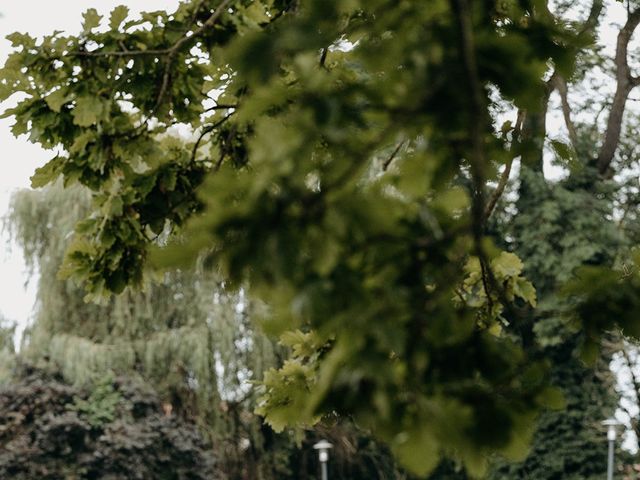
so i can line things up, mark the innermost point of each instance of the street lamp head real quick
(323, 450)
(611, 424)
(323, 445)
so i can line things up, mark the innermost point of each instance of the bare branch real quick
(175, 49)
(323, 56)
(625, 82)
(504, 178)
(477, 106)
(634, 376)
(205, 131)
(592, 21)
(393, 155)
(220, 106)
(560, 84)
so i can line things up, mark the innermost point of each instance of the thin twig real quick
(561, 86)
(477, 154)
(172, 53)
(323, 57)
(393, 155)
(119, 53)
(504, 178)
(634, 377)
(625, 83)
(206, 131)
(220, 106)
(162, 51)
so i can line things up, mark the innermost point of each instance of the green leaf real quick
(417, 450)
(255, 13)
(87, 110)
(91, 19)
(80, 144)
(115, 206)
(506, 127)
(47, 173)
(57, 99)
(589, 352)
(21, 39)
(564, 151)
(168, 180)
(552, 398)
(118, 15)
(525, 290)
(507, 265)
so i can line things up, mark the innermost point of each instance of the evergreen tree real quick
(559, 227)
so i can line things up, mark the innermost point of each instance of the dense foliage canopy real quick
(339, 160)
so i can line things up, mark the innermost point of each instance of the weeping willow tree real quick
(7, 349)
(184, 322)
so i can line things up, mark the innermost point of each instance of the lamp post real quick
(611, 424)
(323, 455)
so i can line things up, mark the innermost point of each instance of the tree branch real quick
(635, 383)
(220, 106)
(323, 56)
(534, 131)
(534, 128)
(387, 162)
(206, 131)
(560, 84)
(476, 104)
(504, 178)
(170, 53)
(478, 116)
(591, 23)
(163, 51)
(625, 82)
(119, 53)
(175, 49)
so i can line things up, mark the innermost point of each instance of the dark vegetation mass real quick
(50, 430)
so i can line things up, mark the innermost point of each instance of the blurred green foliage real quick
(337, 161)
